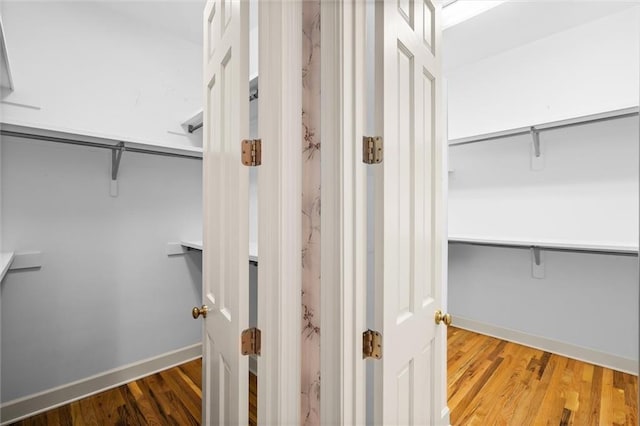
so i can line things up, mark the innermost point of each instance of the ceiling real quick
(182, 18)
(518, 22)
(508, 25)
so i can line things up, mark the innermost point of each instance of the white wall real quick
(107, 294)
(1, 29)
(253, 180)
(1, 281)
(587, 191)
(587, 69)
(88, 68)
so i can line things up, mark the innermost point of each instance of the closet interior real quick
(101, 195)
(543, 177)
(101, 186)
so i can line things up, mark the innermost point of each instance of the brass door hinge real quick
(251, 341)
(252, 152)
(371, 344)
(372, 149)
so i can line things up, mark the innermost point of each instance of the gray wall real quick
(587, 300)
(107, 294)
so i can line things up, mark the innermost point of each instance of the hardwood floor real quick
(253, 400)
(491, 382)
(171, 397)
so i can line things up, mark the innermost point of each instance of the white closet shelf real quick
(253, 252)
(197, 245)
(6, 258)
(576, 121)
(30, 131)
(595, 247)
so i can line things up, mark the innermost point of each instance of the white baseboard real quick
(580, 353)
(30, 405)
(253, 365)
(445, 417)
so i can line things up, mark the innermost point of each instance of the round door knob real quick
(441, 317)
(196, 312)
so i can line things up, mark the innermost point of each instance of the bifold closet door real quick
(226, 204)
(408, 215)
(226, 211)
(404, 110)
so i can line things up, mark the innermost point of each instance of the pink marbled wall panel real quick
(310, 411)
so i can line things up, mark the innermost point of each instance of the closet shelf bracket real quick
(536, 255)
(535, 135)
(537, 266)
(116, 156)
(537, 159)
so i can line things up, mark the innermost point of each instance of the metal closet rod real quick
(120, 146)
(596, 118)
(193, 128)
(547, 248)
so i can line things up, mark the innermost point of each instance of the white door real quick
(408, 215)
(225, 289)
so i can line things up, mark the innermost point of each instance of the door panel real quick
(408, 230)
(226, 192)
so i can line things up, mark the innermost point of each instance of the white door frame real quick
(344, 248)
(344, 237)
(280, 212)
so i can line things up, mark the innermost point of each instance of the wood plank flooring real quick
(253, 399)
(493, 382)
(171, 397)
(490, 382)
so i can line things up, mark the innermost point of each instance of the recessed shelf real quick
(591, 247)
